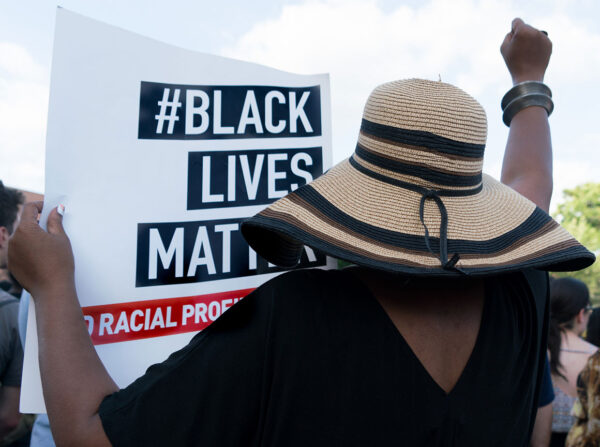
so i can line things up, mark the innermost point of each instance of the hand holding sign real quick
(40, 260)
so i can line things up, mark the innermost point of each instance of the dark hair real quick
(10, 200)
(593, 328)
(567, 297)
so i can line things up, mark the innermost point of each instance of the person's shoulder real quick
(308, 305)
(9, 315)
(535, 279)
(287, 292)
(309, 289)
(7, 301)
(7, 297)
(522, 291)
(584, 345)
(311, 273)
(532, 274)
(527, 281)
(300, 281)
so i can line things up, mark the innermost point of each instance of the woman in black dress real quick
(435, 338)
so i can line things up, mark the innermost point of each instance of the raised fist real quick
(526, 52)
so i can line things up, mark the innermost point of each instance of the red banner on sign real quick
(135, 320)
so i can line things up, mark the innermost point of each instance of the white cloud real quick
(16, 62)
(23, 110)
(576, 53)
(361, 45)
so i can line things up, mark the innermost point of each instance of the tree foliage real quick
(580, 215)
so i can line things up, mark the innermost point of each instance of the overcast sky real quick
(361, 43)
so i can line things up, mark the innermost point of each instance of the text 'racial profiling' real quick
(188, 252)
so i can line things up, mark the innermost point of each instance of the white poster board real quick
(158, 153)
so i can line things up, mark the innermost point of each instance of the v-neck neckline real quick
(472, 357)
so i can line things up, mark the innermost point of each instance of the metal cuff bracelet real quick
(524, 101)
(525, 88)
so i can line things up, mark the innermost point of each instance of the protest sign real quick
(158, 154)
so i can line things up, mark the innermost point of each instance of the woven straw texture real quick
(413, 197)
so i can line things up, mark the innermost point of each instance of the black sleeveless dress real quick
(312, 359)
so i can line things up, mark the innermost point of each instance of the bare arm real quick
(527, 165)
(9, 409)
(74, 379)
(542, 430)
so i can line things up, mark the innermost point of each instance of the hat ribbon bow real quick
(447, 264)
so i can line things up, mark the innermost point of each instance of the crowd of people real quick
(13, 428)
(445, 330)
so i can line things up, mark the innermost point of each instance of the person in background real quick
(585, 431)
(569, 313)
(11, 351)
(9, 284)
(592, 335)
(5, 282)
(41, 434)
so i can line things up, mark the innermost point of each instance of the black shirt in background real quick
(312, 359)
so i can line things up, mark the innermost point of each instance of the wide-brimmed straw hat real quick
(413, 198)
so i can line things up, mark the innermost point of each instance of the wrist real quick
(56, 291)
(524, 95)
(523, 77)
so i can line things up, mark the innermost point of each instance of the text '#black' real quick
(252, 177)
(190, 252)
(200, 112)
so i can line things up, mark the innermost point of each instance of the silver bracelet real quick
(523, 95)
(525, 88)
(522, 102)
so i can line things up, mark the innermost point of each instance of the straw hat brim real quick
(355, 217)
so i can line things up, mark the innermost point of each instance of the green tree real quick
(580, 215)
